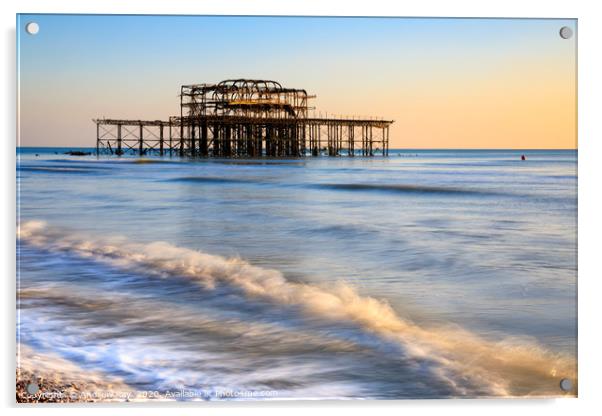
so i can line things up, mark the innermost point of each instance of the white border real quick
(590, 153)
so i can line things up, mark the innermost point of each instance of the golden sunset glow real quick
(456, 83)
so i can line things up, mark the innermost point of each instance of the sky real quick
(447, 83)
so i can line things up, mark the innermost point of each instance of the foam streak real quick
(507, 368)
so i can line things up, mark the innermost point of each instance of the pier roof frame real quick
(243, 96)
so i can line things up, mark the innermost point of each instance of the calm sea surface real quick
(424, 274)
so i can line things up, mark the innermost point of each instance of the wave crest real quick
(513, 367)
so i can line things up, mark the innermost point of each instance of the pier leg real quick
(294, 141)
(181, 138)
(141, 141)
(203, 145)
(319, 128)
(268, 141)
(170, 139)
(97, 139)
(249, 141)
(259, 141)
(227, 142)
(193, 140)
(364, 141)
(119, 151)
(161, 140)
(387, 141)
(301, 134)
(351, 147)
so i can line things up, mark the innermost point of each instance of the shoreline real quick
(46, 378)
(39, 389)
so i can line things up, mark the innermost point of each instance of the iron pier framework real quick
(245, 118)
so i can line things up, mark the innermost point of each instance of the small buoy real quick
(523, 157)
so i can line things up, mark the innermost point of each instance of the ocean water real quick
(426, 274)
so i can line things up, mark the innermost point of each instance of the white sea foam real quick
(511, 367)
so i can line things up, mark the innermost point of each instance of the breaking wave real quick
(512, 367)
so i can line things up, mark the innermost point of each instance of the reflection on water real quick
(448, 274)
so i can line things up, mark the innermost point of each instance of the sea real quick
(425, 274)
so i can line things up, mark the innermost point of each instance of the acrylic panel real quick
(271, 208)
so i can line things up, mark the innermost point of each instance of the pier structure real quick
(245, 118)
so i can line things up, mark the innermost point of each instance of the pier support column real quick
(216, 140)
(119, 151)
(294, 141)
(268, 141)
(193, 140)
(319, 128)
(203, 145)
(161, 140)
(365, 140)
(350, 134)
(387, 154)
(181, 138)
(170, 139)
(257, 141)
(228, 141)
(141, 141)
(97, 138)
(249, 141)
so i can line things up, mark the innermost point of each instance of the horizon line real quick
(395, 148)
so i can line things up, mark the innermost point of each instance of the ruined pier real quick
(244, 118)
